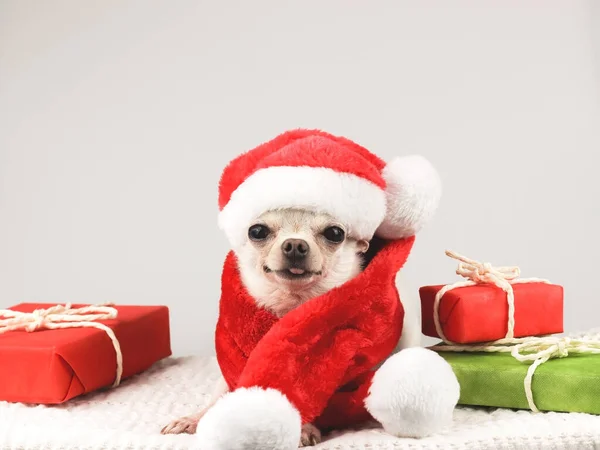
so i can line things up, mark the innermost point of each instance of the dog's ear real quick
(362, 246)
(375, 245)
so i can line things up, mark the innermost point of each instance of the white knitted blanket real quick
(130, 417)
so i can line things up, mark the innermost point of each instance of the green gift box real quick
(569, 384)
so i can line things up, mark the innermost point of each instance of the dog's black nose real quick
(295, 248)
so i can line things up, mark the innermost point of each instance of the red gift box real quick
(480, 313)
(53, 366)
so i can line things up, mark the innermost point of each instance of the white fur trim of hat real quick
(322, 174)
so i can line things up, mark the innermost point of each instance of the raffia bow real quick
(479, 272)
(64, 316)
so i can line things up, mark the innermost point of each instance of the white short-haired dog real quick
(289, 257)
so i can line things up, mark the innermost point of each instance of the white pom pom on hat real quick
(413, 193)
(314, 170)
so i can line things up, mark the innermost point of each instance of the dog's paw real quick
(186, 424)
(310, 435)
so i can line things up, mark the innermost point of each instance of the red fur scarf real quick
(321, 355)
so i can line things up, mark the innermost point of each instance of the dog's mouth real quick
(293, 273)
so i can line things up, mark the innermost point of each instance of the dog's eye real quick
(334, 234)
(258, 232)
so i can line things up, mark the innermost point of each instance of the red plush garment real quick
(322, 354)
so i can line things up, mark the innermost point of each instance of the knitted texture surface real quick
(131, 416)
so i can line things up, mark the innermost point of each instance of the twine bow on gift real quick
(475, 273)
(64, 316)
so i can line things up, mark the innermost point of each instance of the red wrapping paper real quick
(53, 366)
(480, 313)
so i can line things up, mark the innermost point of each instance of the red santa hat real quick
(317, 171)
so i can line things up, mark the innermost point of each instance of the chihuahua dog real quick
(290, 256)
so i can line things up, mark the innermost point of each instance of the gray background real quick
(116, 118)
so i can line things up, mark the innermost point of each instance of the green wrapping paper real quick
(570, 384)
